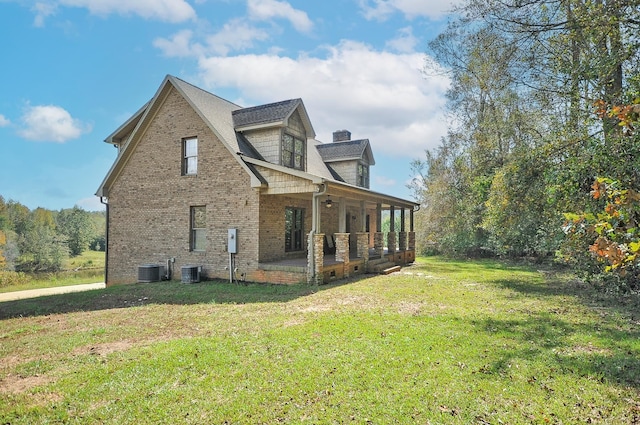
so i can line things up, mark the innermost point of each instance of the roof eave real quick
(260, 126)
(302, 174)
(116, 137)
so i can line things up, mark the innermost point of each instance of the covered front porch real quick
(295, 270)
(345, 236)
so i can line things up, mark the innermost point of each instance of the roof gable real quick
(213, 110)
(270, 115)
(347, 151)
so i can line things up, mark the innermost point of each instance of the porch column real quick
(378, 243)
(378, 236)
(391, 242)
(412, 233)
(412, 241)
(315, 262)
(402, 236)
(391, 237)
(363, 247)
(411, 220)
(342, 251)
(342, 216)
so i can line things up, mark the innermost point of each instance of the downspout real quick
(106, 239)
(315, 226)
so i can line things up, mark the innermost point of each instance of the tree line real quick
(543, 108)
(40, 240)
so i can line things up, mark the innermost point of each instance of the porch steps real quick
(383, 266)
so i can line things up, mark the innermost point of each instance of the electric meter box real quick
(232, 241)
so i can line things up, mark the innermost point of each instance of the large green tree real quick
(76, 225)
(524, 144)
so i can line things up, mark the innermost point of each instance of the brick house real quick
(243, 193)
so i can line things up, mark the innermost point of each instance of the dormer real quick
(277, 131)
(349, 160)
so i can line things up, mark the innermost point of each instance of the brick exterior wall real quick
(272, 227)
(149, 202)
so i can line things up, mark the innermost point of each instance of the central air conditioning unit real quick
(191, 274)
(148, 273)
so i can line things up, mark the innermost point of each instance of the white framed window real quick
(190, 156)
(292, 152)
(363, 175)
(198, 237)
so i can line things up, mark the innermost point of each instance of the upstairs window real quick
(292, 152)
(363, 175)
(293, 229)
(190, 156)
(198, 239)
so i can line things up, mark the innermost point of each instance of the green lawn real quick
(85, 268)
(440, 342)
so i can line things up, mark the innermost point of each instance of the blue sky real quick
(74, 70)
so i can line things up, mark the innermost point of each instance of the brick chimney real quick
(341, 136)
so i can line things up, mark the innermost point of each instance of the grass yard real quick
(441, 342)
(85, 268)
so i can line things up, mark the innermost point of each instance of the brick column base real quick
(412, 241)
(402, 241)
(342, 247)
(378, 243)
(315, 262)
(363, 246)
(391, 242)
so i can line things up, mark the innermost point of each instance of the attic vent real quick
(148, 273)
(191, 274)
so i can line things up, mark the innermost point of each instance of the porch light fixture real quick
(329, 203)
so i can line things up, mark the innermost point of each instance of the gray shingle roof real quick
(246, 148)
(342, 151)
(264, 114)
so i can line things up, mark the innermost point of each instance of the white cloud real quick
(383, 9)
(91, 204)
(405, 42)
(179, 45)
(4, 121)
(378, 95)
(162, 10)
(42, 11)
(235, 35)
(268, 9)
(51, 123)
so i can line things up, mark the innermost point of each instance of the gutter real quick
(105, 202)
(315, 226)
